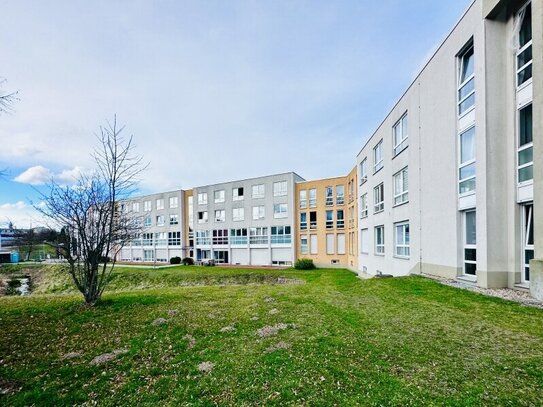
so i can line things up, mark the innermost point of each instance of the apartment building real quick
(446, 182)
(161, 217)
(245, 222)
(326, 221)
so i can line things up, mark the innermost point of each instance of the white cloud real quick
(37, 175)
(20, 214)
(68, 176)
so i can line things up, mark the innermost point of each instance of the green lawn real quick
(402, 341)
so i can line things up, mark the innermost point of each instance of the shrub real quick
(188, 261)
(304, 264)
(175, 260)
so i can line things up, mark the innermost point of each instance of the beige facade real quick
(326, 221)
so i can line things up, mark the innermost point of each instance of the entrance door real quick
(527, 240)
(221, 256)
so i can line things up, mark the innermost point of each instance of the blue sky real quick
(211, 90)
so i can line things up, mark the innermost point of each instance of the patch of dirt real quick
(228, 329)
(206, 367)
(273, 311)
(172, 312)
(272, 330)
(278, 346)
(9, 386)
(106, 357)
(159, 321)
(284, 280)
(190, 341)
(71, 355)
(269, 299)
(255, 318)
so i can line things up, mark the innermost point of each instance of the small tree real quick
(89, 212)
(7, 99)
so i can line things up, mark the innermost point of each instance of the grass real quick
(402, 341)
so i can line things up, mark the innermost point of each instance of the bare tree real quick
(7, 99)
(91, 212)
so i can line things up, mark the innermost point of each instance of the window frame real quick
(379, 206)
(406, 240)
(401, 197)
(461, 84)
(222, 196)
(378, 165)
(403, 143)
(472, 161)
(379, 247)
(364, 170)
(280, 191)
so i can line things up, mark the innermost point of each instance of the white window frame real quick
(461, 83)
(401, 187)
(204, 218)
(399, 128)
(329, 222)
(402, 239)
(467, 163)
(160, 221)
(303, 224)
(304, 246)
(202, 198)
(364, 206)
(280, 188)
(303, 198)
(174, 219)
(364, 241)
(527, 213)
(329, 195)
(379, 245)
(238, 214)
(174, 202)
(219, 196)
(363, 170)
(258, 191)
(340, 223)
(235, 194)
(469, 246)
(135, 206)
(259, 212)
(519, 69)
(313, 197)
(379, 198)
(340, 194)
(280, 211)
(220, 215)
(160, 204)
(147, 206)
(378, 157)
(524, 147)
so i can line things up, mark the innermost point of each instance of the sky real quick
(211, 91)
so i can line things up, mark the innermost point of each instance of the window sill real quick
(401, 151)
(471, 109)
(468, 278)
(525, 84)
(376, 171)
(401, 257)
(375, 213)
(401, 204)
(465, 194)
(379, 254)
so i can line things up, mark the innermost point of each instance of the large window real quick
(527, 240)
(174, 219)
(259, 212)
(237, 194)
(174, 238)
(313, 198)
(380, 240)
(525, 149)
(364, 241)
(160, 204)
(470, 243)
(524, 53)
(147, 206)
(363, 171)
(466, 81)
(238, 214)
(220, 237)
(259, 191)
(202, 198)
(160, 220)
(303, 244)
(313, 220)
(147, 221)
(401, 240)
(303, 199)
(174, 202)
(401, 187)
(466, 171)
(220, 215)
(329, 194)
(303, 221)
(329, 219)
(340, 219)
(280, 211)
(400, 135)
(238, 236)
(147, 239)
(364, 206)
(161, 239)
(202, 217)
(280, 188)
(340, 194)
(378, 156)
(203, 237)
(379, 198)
(136, 207)
(281, 235)
(258, 235)
(219, 196)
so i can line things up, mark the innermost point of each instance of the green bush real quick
(304, 264)
(175, 260)
(188, 261)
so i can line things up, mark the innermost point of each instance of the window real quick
(174, 238)
(400, 135)
(380, 240)
(303, 244)
(160, 204)
(378, 156)
(258, 212)
(341, 243)
(470, 243)
(363, 171)
(401, 187)
(303, 221)
(340, 195)
(527, 240)
(238, 236)
(313, 220)
(303, 199)
(147, 239)
(258, 191)
(238, 214)
(237, 194)
(466, 172)
(202, 198)
(147, 206)
(281, 235)
(330, 243)
(364, 206)
(148, 255)
(280, 211)
(220, 237)
(364, 241)
(525, 149)
(258, 235)
(174, 202)
(329, 219)
(340, 219)
(160, 220)
(203, 237)
(220, 215)
(135, 207)
(401, 245)
(280, 188)
(312, 198)
(161, 239)
(329, 194)
(524, 53)
(147, 221)
(379, 198)
(219, 196)
(174, 219)
(314, 247)
(202, 217)
(466, 81)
